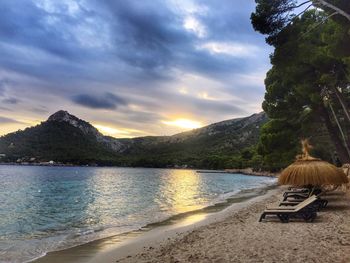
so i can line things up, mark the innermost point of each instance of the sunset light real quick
(184, 123)
(107, 130)
(112, 131)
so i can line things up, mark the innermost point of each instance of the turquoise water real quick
(45, 209)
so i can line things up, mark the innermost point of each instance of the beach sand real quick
(239, 237)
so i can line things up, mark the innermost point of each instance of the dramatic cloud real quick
(107, 101)
(164, 58)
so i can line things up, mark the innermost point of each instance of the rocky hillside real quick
(66, 138)
(87, 129)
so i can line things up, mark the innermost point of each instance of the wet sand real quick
(232, 235)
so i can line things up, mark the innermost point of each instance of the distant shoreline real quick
(49, 165)
(245, 171)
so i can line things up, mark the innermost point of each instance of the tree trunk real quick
(342, 102)
(340, 129)
(339, 146)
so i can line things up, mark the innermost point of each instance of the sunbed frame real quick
(305, 210)
(319, 203)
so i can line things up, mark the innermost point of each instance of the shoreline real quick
(154, 233)
(245, 171)
(250, 171)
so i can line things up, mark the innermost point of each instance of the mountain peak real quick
(65, 116)
(62, 115)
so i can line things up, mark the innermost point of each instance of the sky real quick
(130, 67)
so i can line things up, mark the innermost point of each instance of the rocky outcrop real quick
(85, 127)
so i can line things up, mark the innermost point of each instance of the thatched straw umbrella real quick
(310, 171)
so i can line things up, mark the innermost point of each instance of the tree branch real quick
(337, 9)
(322, 21)
(302, 12)
(297, 6)
(292, 7)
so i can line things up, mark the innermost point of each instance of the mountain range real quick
(67, 139)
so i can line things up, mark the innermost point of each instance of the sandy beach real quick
(239, 237)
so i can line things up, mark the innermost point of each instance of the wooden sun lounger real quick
(301, 194)
(319, 203)
(297, 191)
(295, 198)
(296, 205)
(304, 209)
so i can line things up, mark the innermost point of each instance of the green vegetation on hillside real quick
(229, 144)
(56, 141)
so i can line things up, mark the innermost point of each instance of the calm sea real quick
(45, 209)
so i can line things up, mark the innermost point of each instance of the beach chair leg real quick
(313, 217)
(306, 216)
(262, 217)
(325, 203)
(309, 216)
(286, 219)
(318, 206)
(283, 218)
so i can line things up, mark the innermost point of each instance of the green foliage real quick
(311, 54)
(56, 141)
(278, 144)
(271, 17)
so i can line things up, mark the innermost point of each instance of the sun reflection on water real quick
(181, 188)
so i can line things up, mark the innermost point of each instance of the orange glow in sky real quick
(184, 123)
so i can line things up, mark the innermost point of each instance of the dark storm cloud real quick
(229, 19)
(147, 35)
(22, 22)
(150, 36)
(107, 101)
(83, 51)
(146, 32)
